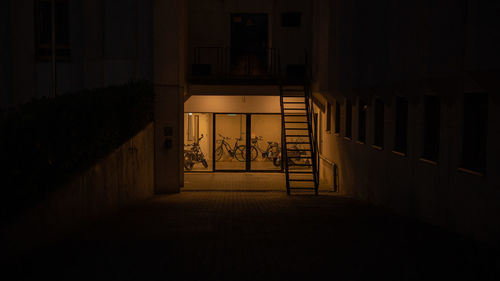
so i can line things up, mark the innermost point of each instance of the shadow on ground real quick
(258, 236)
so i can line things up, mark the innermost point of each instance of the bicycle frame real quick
(235, 152)
(227, 146)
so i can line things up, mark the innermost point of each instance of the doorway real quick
(249, 44)
(247, 142)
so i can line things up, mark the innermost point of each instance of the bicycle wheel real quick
(277, 161)
(188, 161)
(253, 153)
(218, 153)
(240, 153)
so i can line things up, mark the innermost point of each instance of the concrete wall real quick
(321, 44)
(23, 52)
(122, 178)
(436, 193)
(118, 41)
(70, 72)
(233, 104)
(5, 56)
(412, 49)
(170, 43)
(481, 33)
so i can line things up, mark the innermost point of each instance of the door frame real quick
(248, 139)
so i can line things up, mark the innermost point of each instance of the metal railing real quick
(313, 131)
(226, 62)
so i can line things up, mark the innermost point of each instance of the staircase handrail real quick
(314, 137)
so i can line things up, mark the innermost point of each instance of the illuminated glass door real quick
(198, 142)
(265, 142)
(229, 152)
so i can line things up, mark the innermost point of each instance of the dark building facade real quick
(98, 43)
(406, 92)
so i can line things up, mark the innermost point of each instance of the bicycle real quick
(270, 153)
(238, 151)
(194, 155)
(292, 155)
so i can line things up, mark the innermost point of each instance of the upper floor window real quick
(475, 131)
(378, 136)
(401, 128)
(432, 121)
(43, 29)
(293, 19)
(362, 109)
(348, 119)
(337, 117)
(328, 117)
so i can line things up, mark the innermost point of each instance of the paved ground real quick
(259, 236)
(238, 182)
(234, 182)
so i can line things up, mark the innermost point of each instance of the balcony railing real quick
(230, 65)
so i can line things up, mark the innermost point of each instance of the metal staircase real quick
(299, 153)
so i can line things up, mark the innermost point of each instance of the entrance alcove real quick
(241, 141)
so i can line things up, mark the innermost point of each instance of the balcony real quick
(231, 66)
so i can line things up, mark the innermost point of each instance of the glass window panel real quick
(230, 142)
(198, 142)
(266, 142)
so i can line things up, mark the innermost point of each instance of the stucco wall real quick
(122, 178)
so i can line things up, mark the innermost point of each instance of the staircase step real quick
(295, 115)
(297, 129)
(294, 102)
(296, 122)
(296, 136)
(303, 188)
(300, 172)
(306, 180)
(293, 90)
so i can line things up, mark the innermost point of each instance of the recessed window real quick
(432, 122)
(401, 128)
(337, 117)
(362, 109)
(291, 19)
(43, 28)
(328, 117)
(378, 136)
(475, 131)
(348, 119)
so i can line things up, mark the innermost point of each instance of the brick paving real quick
(239, 182)
(259, 236)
